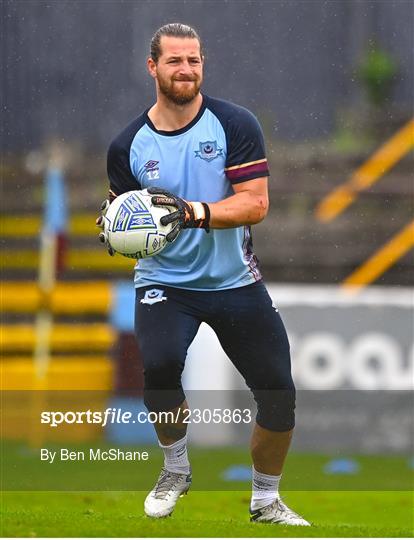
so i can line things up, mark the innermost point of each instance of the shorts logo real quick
(208, 151)
(153, 296)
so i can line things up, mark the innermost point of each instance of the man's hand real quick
(100, 222)
(189, 215)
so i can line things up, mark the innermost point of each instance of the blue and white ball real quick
(132, 225)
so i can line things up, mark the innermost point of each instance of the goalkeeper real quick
(205, 157)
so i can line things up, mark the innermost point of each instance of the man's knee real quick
(162, 381)
(276, 408)
(163, 400)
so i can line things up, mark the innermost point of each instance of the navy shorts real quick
(249, 329)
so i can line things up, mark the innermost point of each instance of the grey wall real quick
(75, 68)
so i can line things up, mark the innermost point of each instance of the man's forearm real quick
(243, 208)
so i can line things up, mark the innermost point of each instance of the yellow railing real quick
(64, 337)
(27, 225)
(68, 373)
(77, 260)
(365, 176)
(67, 298)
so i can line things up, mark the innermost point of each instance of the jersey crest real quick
(208, 150)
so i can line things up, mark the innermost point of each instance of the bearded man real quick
(205, 157)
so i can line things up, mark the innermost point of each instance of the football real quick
(132, 225)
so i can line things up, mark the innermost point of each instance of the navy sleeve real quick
(121, 178)
(120, 175)
(246, 157)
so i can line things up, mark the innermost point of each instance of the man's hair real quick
(172, 30)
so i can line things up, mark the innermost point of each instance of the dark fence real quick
(75, 69)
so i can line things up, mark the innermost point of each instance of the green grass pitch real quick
(377, 502)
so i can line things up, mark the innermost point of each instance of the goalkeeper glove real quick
(189, 215)
(100, 222)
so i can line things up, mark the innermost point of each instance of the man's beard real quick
(179, 96)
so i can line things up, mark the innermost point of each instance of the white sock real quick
(265, 489)
(176, 457)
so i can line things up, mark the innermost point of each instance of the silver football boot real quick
(170, 486)
(278, 512)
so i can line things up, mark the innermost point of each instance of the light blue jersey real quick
(222, 146)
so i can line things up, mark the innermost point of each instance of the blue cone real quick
(341, 466)
(237, 473)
